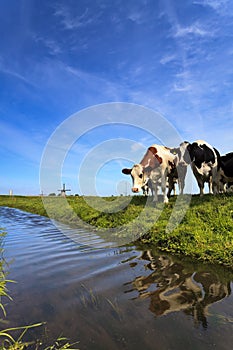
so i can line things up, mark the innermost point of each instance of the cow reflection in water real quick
(172, 287)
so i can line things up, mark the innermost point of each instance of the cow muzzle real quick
(135, 189)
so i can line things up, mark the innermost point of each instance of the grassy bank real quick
(205, 232)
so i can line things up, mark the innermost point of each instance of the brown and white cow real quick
(156, 165)
(178, 173)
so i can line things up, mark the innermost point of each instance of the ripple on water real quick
(112, 298)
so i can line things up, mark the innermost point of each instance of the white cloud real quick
(136, 17)
(167, 59)
(93, 81)
(194, 29)
(15, 74)
(181, 88)
(52, 45)
(72, 21)
(215, 4)
(137, 147)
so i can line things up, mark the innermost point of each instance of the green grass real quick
(205, 232)
(3, 280)
(9, 342)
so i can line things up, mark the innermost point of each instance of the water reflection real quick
(100, 297)
(173, 286)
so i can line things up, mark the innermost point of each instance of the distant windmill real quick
(64, 190)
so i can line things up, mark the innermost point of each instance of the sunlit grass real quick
(205, 232)
(17, 343)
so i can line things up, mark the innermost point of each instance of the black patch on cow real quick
(176, 151)
(186, 156)
(172, 164)
(200, 154)
(190, 149)
(226, 163)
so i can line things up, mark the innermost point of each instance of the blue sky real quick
(60, 57)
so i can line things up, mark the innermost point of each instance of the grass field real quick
(204, 233)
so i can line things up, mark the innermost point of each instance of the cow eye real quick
(140, 176)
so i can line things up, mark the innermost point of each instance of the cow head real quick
(183, 153)
(138, 175)
(141, 172)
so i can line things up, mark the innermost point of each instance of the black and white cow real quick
(205, 165)
(178, 174)
(148, 187)
(226, 171)
(156, 164)
(229, 187)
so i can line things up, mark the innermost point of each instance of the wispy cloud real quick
(137, 147)
(112, 89)
(71, 21)
(50, 44)
(137, 17)
(167, 59)
(18, 142)
(11, 72)
(181, 88)
(215, 4)
(194, 29)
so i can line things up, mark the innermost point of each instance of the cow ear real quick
(152, 150)
(174, 150)
(126, 171)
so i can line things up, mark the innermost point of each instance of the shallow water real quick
(111, 298)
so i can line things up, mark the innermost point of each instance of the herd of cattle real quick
(162, 167)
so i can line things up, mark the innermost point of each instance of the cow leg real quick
(210, 187)
(174, 189)
(145, 190)
(155, 191)
(163, 186)
(152, 189)
(181, 186)
(215, 180)
(181, 178)
(171, 185)
(201, 187)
